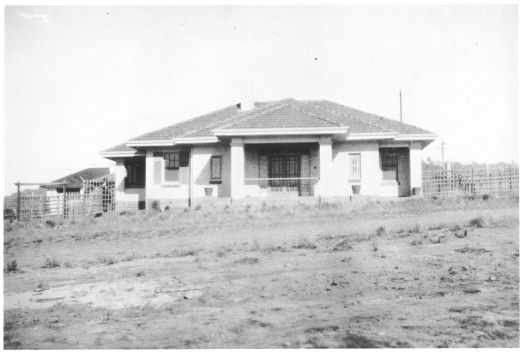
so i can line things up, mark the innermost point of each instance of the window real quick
(171, 161)
(135, 173)
(355, 167)
(389, 158)
(216, 168)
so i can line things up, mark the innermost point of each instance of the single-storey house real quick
(285, 147)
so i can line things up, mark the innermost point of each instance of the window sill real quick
(168, 185)
(354, 181)
(215, 182)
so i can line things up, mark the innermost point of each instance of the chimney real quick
(245, 105)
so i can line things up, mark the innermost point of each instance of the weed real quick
(304, 243)
(50, 223)
(105, 260)
(154, 205)
(381, 231)
(198, 207)
(343, 245)
(437, 226)
(50, 263)
(68, 265)
(485, 197)
(417, 241)
(477, 222)
(184, 252)
(415, 229)
(374, 247)
(226, 207)
(247, 260)
(12, 267)
(166, 208)
(247, 208)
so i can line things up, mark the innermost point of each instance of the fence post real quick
(64, 201)
(510, 178)
(18, 199)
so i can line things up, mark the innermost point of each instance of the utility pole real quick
(400, 106)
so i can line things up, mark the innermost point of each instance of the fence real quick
(94, 197)
(471, 182)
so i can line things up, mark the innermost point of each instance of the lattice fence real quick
(94, 197)
(471, 182)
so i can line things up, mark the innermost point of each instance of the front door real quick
(283, 166)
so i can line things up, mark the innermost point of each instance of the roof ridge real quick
(263, 109)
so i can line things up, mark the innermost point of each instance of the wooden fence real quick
(94, 197)
(471, 182)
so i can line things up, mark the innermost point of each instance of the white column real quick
(120, 175)
(237, 168)
(325, 166)
(415, 165)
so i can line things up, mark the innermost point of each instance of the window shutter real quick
(157, 172)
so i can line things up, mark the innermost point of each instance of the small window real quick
(216, 168)
(355, 167)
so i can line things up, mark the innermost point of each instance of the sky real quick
(78, 80)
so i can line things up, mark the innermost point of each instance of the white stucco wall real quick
(200, 175)
(339, 168)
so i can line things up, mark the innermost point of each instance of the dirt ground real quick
(415, 273)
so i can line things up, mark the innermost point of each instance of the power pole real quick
(400, 106)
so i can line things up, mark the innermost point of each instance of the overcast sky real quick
(82, 79)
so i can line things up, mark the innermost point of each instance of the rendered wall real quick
(178, 194)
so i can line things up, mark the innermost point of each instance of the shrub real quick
(50, 223)
(477, 222)
(12, 267)
(50, 263)
(381, 231)
(198, 207)
(485, 197)
(155, 205)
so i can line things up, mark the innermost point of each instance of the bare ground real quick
(401, 274)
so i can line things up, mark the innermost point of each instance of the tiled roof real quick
(75, 179)
(286, 113)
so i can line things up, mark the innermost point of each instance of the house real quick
(74, 181)
(286, 147)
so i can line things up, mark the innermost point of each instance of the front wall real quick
(200, 170)
(371, 175)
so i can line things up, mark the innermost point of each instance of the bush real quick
(50, 223)
(477, 222)
(12, 267)
(486, 197)
(381, 231)
(198, 207)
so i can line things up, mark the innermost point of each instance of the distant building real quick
(74, 181)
